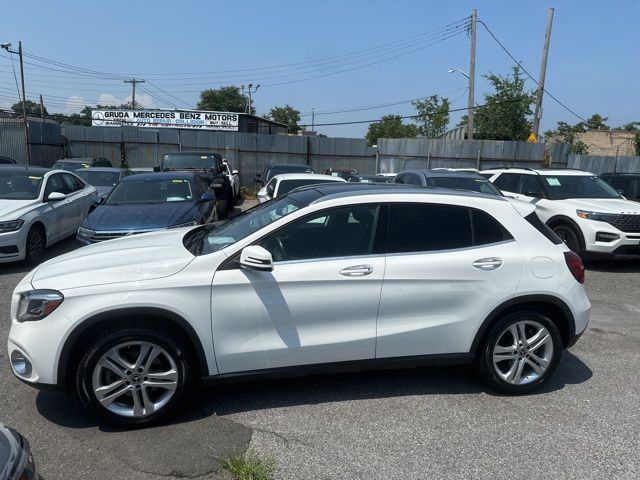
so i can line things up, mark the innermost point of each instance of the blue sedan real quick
(149, 202)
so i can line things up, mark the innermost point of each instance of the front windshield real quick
(287, 185)
(464, 183)
(19, 186)
(209, 239)
(188, 160)
(151, 191)
(280, 169)
(70, 166)
(577, 186)
(99, 179)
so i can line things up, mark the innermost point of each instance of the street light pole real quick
(250, 90)
(7, 47)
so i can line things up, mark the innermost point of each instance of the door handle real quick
(490, 263)
(357, 271)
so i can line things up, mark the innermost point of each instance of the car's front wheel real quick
(35, 245)
(520, 353)
(570, 238)
(134, 376)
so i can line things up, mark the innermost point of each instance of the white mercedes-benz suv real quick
(326, 277)
(582, 209)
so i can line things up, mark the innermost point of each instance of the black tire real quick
(223, 209)
(168, 342)
(35, 245)
(231, 199)
(570, 237)
(489, 371)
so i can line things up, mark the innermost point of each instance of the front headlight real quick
(86, 233)
(598, 217)
(190, 223)
(12, 226)
(38, 304)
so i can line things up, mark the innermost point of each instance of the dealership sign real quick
(166, 119)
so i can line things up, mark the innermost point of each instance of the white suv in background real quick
(328, 277)
(583, 210)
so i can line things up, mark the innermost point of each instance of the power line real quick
(519, 64)
(415, 116)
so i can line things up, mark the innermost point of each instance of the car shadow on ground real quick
(239, 397)
(64, 246)
(627, 265)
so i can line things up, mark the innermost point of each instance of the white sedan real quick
(328, 277)
(39, 207)
(285, 182)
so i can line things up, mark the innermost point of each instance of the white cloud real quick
(142, 100)
(74, 104)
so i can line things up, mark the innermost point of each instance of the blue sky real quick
(594, 65)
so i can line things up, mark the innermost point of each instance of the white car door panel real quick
(301, 313)
(434, 302)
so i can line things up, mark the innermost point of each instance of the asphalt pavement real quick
(399, 424)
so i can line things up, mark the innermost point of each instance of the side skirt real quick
(343, 367)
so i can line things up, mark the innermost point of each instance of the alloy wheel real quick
(523, 352)
(135, 379)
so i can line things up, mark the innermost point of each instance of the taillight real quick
(576, 267)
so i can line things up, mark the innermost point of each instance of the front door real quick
(318, 305)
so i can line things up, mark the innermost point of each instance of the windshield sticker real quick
(203, 157)
(553, 181)
(178, 181)
(35, 178)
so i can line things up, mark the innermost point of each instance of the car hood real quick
(13, 209)
(605, 205)
(130, 259)
(112, 218)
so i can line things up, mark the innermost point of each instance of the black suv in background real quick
(628, 184)
(73, 164)
(210, 167)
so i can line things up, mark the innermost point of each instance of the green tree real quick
(224, 99)
(33, 108)
(630, 127)
(390, 126)
(433, 116)
(506, 113)
(287, 115)
(596, 122)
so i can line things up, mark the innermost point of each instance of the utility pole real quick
(543, 71)
(250, 90)
(472, 73)
(313, 118)
(41, 108)
(133, 82)
(7, 47)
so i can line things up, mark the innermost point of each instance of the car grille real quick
(627, 223)
(102, 236)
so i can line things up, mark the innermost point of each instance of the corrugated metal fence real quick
(247, 152)
(599, 164)
(45, 141)
(396, 154)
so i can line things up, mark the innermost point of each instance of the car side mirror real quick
(235, 172)
(207, 197)
(56, 197)
(97, 201)
(255, 257)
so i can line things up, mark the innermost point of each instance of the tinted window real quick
(619, 183)
(54, 184)
(151, 191)
(19, 186)
(535, 221)
(338, 232)
(98, 178)
(191, 160)
(530, 186)
(71, 184)
(428, 227)
(507, 182)
(274, 170)
(578, 186)
(271, 188)
(287, 185)
(487, 229)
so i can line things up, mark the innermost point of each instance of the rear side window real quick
(507, 181)
(428, 227)
(535, 221)
(487, 229)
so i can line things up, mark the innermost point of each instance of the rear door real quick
(318, 305)
(448, 266)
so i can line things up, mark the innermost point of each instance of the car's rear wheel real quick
(35, 245)
(520, 353)
(570, 238)
(134, 376)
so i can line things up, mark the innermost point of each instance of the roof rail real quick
(509, 168)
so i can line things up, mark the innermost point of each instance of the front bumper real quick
(627, 243)
(12, 245)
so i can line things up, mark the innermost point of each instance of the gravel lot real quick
(408, 424)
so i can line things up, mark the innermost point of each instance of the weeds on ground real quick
(248, 193)
(248, 465)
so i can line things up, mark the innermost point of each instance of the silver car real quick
(39, 207)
